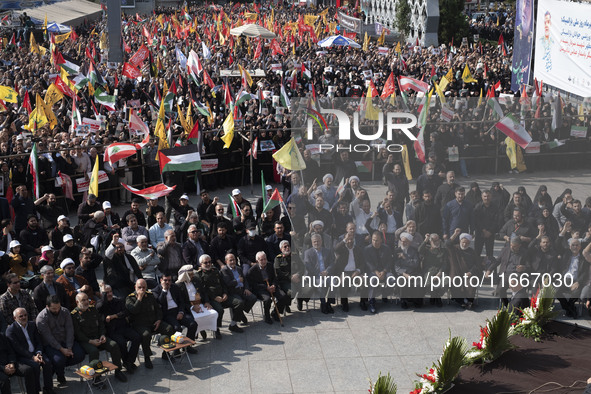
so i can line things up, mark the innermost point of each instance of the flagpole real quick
(287, 213)
(251, 166)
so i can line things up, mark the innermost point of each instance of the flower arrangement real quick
(440, 376)
(494, 338)
(535, 317)
(384, 385)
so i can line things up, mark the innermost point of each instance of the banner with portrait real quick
(522, 45)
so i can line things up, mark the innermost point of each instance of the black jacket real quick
(175, 293)
(40, 294)
(19, 344)
(117, 274)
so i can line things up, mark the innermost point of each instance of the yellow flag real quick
(440, 94)
(480, 98)
(289, 156)
(228, 130)
(323, 13)
(371, 112)
(366, 42)
(33, 45)
(443, 82)
(382, 37)
(160, 131)
(103, 41)
(45, 23)
(467, 76)
(515, 156)
(398, 49)
(63, 37)
(581, 113)
(310, 19)
(48, 112)
(64, 76)
(406, 162)
(93, 185)
(450, 75)
(245, 75)
(189, 118)
(183, 120)
(36, 120)
(210, 117)
(251, 16)
(8, 94)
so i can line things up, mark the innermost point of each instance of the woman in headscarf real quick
(542, 198)
(525, 198)
(565, 192)
(474, 195)
(550, 224)
(192, 290)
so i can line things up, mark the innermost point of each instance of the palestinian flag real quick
(194, 134)
(184, 158)
(202, 109)
(151, 192)
(80, 81)
(94, 76)
(103, 98)
(168, 101)
(285, 101)
(494, 104)
(235, 207)
(118, 151)
(306, 74)
(364, 166)
(34, 168)
(76, 118)
(243, 96)
(274, 201)
(67, 63)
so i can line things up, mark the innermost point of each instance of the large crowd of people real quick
(174, 267)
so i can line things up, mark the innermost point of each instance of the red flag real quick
(130, 71)
(63, 87)
(253, 149)
(207, 80)
(73, 36)
(172, 88)
(66, 185)
(194, 134)
(227, 94)
(389, 87)
(258, 51)
(27, 103)
(276, 48)
(126, 47)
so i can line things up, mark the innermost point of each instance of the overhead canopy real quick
(338, 41)
(71, 12)
(57, 28)
(252, 30)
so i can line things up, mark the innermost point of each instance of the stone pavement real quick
(334, 353)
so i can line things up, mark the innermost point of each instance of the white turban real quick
(466, 236)
(407, 236)
(184, 274)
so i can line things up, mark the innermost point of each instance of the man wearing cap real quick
(89, 331)
(49, 287)
(121, 271)
(69, 250)
(28, 348)
(112, 219)
(32, 238)
(158, 230)
(50, 211)
(259, 205)
(56, 235)
(182, 211)
(16, 297)
(237, 196)
(57, 332)
(146, 317)
(73, 284)
(139, 215)
(87, 209)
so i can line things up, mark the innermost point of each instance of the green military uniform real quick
(89, 325)
(143, 315)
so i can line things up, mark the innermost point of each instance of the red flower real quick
(416, 391)
(477, 345)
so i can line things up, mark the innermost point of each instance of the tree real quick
(453, 22)
(402, 21)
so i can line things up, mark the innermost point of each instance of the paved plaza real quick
(316, 353)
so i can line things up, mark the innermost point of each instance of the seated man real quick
(9, 367)
(262, 281)
(121, 270)
(572, 264)
(173, 306)
(15, 297)
(217, 293)
(57, 332)
(158, 230)
(235, 282)
(73, 284)
(194, 246)
(49, 287)
(27, 345)
(147, 260)
(319, 261)
(146, 317)
(118, 329)
(379, 263)
(89, 331)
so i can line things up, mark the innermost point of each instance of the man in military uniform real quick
(146, 317)
(89, 331)
(218, 294)
(285, 273)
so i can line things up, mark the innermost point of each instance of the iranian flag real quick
(151, 192)
(273, 201)
(306, 74)
(119, 151)
(414, 84)
(34, 168)
(514, 130)
(235, 207)
(183, 158)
